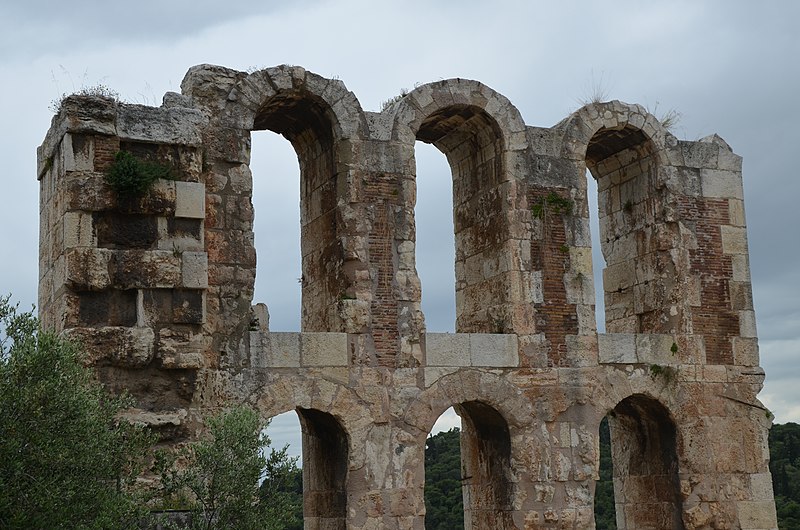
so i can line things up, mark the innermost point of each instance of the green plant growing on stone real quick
(674, 348)
(552, 203)
(130, 177)
(667, 373)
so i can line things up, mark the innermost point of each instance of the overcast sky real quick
(729, 67)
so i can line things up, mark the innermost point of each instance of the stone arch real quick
(645, 448)
(488, 420)
(321, 119)
(647, 264)
(329, 413)
(480, 133)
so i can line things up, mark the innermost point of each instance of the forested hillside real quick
(443, 485)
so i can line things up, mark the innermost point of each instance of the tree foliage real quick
(604, 510)
(66, 461)
(218, 478)
(444, 503)
(784, 449)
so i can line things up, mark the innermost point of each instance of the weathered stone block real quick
(78, 230)
(656, 349)
(77, 151)
(617, 347)
(194, 270)
(283, 350)
(493, 350)
(120, 346)
(734, 239)
(190, 200)
(447, 349)
(87, 269)
(323, 349)
(722, 184)
(188, 306)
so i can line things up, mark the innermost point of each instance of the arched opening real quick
(640, 278)
(645, 465)
(435, 246)
(472, 142)
(276, 200)
(598, 260)
(282, 480)
(325, 463)
(444, 499)
(486, 467)
(308, 125)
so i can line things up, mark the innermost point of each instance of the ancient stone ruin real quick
(160, 288)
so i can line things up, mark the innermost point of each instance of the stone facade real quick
(159, 290)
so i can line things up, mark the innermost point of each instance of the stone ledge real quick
(633, 348)
(295, 350)
(471, 349)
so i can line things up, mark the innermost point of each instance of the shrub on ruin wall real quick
(130, 177)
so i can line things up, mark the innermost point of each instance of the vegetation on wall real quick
(130, 177)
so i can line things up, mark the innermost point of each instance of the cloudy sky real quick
(728, 66)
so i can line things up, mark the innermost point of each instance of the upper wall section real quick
(671, 212)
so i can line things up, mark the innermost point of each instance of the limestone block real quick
(86, 269)
(283, 350)
(747, 324)
(447, 349)
(146, 269)
(721, 184)
(77, 152)
(121, 346)
(700, 154)
(180, 349)
(740, 268)
(190, 200)
(497, 350)
(619, 276)
(167, 125)
(656, 349)
(734, 239)
(745, 351)
(736, 212)
(323, 349)
(617, 347)
(194, 270)
(761, 486)
(757, 515)
(78, 230)
(582, 349)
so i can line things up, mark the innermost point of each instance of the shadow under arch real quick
(486, 467)
(487, 424)
(473, 127)
(325, 462)
(644, 454)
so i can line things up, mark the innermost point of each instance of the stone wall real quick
(159, 290)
